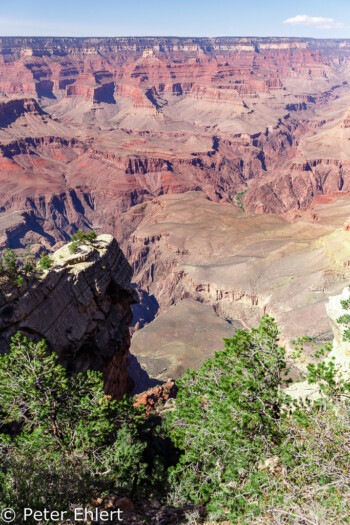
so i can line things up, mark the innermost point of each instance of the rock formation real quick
(82, 308)
(91, 127)
(340, 353)
(341, 349)
(105, 133)
(155, 398)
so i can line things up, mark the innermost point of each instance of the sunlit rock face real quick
(340, 353)
(341, 349)
(82, 307)
(206, 269)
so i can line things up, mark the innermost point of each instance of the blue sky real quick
(311, 18)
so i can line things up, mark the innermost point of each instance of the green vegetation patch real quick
(62, 440)
(14, 269)
(80, 238)
(239, 444)
(238, 199)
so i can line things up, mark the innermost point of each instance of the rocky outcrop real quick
(82, 308)
(341, 349)
(91, 90)
(339, 355)
(11, 110)
(155, 398)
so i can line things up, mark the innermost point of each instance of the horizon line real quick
(175, 36)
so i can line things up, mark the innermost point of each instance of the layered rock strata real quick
(82, 308)
(91, 127)
(98, 133)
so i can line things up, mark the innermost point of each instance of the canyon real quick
(220, 165)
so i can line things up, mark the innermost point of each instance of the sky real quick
(307, 18)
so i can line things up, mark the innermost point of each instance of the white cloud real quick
(314, 21)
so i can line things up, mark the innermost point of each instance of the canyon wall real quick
(206, 269)
(220, 165)
(91, 127)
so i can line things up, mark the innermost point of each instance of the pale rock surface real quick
(340, 352)
(183, 337)
(341, 349)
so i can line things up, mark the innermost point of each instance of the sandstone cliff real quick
(82, 307)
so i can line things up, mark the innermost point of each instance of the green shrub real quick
(227, 419)
(80, 238)
(29, 264)
(247, 451)
(11, 272)
(14, 269)
(9, 262)
(45, 262)
(310, 482)
(19, 281)
(252, 454)
(311, 479)
(72, 441)
(239, 199)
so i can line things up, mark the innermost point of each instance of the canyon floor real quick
(214, 268)
(221, 166)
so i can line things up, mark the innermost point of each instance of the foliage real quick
(9, 262)
(9, 269)
(29, 264)
(45, 262)
(252, 454)
(239, 199)
(345, 304)
(227, 419)
(246, 450)
(345, 319)
(14, 269)
(311, 481)
(62, 439)
(80, 238)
